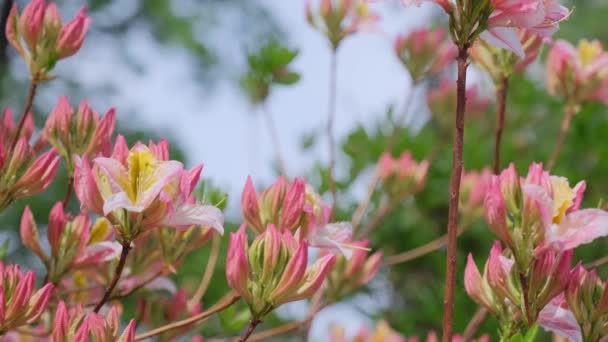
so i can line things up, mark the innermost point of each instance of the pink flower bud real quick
(57, 221)
(425, 52)
(249, 207)
(31, 21)
(511, 188)
(293, 205)
(29, 234)
(121, 150)
(271, 201)
(478, 288)
(237, 265)
(60, 323)
(496, 212)
(72, 35)
(52, 19)
(385, 166)
(551, 274)
(85, 187)
(38, 176)
(12, 30)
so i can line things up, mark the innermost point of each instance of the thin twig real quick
(450, 277)
(569, 112)
(250, 328)
(126, 247)
(68, 192)
(474, 324)
(596, 263)
(331, 115)
(274, 135)
(208, 275)
(315, 307)
(362, 207)
(225, 302)
(26, 111)
(418, 252)
(501, 104)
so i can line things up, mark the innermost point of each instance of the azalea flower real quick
(140, 189)
(76, 325)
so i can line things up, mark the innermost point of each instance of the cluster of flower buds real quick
(403, 176)
(496, 21)
(578, 74)
(80, 326)
(442, 101)
(540, 212)
(295, 207)
(348, 274)
(425, 52)
(473, 188)
(42, 39)
(20, 304)
(273, 270)
(281, 204)
(581, 314)
(81, 134)
(500, 63)
(140, 189)
(502, 291)
(337, 19)
(22, 171)
(154, 312)
(75, 244)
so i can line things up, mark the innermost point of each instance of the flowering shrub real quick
(109, 269)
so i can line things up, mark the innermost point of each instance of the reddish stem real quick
(450, 277)
(250, 328)
(501, 105)
(68, 192)
(126, 247)
(26, 111)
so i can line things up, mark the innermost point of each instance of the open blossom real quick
(499, 63)
(581, 313)
(541, 17)
(273, 269)
(402, 176)
(499, 290)
(337, 20)
(578, 74)
(548, 207)
(140, 189)
(425, 52)
(81, 134)
(76, 325)
(20, 303)
(349, 274)
(23, 172)
(74, 242)
(41, 38)
(295, 207)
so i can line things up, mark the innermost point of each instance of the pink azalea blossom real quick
(402, 176)
(137, 190)
(473, 189)
(557, 318)
(578, 74)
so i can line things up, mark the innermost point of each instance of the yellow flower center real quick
(563, 197)
(589, 51)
